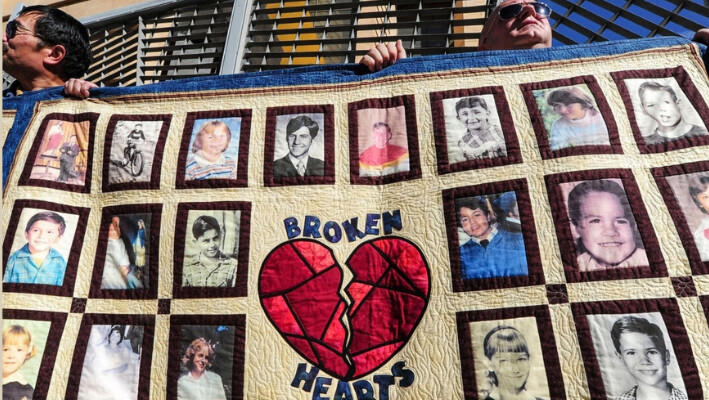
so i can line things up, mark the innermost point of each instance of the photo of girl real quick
(214, 149)
(692, 194)
(126, 248)
(206, 362)
(509, 365)
(112, 363)
(17, 348)
(579, 122)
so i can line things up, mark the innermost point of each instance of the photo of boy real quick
(38, 261)
(383, 147)
(636, 361)
(640, 345)
(663, 112)
(23, 344)
(132, 151)
(603, 225)
(492, 242)
(63, 153)
(473, 128)
(210, 255)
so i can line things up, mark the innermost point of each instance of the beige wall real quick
(77, 8)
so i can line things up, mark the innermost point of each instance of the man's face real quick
(13, 356)
(22, 54)
(475, 222)
(381, 136)
(644, 360)
(605, 232)
(511, 369)
(299, 142)
(660, 106)
(42, 236)
(475, 119)
(209, 243)
(526, 31)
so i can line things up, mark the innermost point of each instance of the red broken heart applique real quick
(300, 285)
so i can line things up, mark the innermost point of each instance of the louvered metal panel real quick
(285, 33)
(180, 42)
(184, 38)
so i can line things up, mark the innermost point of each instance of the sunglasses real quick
(13, 27)
(513, 10)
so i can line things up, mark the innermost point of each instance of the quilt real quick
(527, 224)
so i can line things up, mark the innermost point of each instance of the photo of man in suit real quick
(300, 132)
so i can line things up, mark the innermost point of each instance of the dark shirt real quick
(284, 168)
(655, 138)
(17, 391)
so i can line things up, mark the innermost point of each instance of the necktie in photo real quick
(484, 243)
(301, 168)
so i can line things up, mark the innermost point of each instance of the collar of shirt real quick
(203, 162)
(493, 232)
(295, 161)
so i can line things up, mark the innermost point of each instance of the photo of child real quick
(63, 153)
(39, 253)
(489, 231)
(206, 362)
(571, 117)
(635, 358)
(508, 360)
(23, 345)
(111, 368)
(211, 253)
(126, 250)
(692, 194)
(132, 151)
(383, 147)
(214, 149)
(663, 112)
(473, 128)
(299, 145)
(603, 226)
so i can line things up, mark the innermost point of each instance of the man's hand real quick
(383, 55)
(702, 36)
(78, 88)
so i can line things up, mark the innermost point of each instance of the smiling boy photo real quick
(660, 102)
(603, 224)
(640, 346)
(38, 261)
